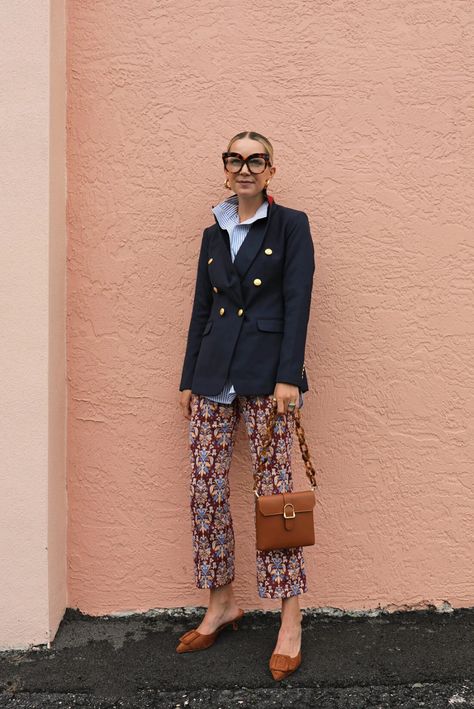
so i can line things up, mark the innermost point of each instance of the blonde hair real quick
(253, 135)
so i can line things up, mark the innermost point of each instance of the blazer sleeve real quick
(200, 314)
(299, 267)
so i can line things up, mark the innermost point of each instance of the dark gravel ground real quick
(399, 660)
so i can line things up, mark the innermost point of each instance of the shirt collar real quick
(226, 212)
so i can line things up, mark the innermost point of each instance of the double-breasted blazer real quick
(250, 317)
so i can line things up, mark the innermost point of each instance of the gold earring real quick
(267, 182)
(225, 183)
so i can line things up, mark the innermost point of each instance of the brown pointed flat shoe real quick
(194, 640)
(283, 665)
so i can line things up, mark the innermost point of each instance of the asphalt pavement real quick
(399, 660)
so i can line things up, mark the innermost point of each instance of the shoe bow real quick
(280, 662)
(188, 637)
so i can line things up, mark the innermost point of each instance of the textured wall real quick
(369, 107)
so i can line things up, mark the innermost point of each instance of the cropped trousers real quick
(280, 573)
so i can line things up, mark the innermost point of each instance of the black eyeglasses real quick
(256, 163)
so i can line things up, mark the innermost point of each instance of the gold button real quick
(221, 311)
(257, 282)
(210, 260)
(268, 251)
(215, 290)
(240, 312)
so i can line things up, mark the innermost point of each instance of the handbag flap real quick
(302, 501)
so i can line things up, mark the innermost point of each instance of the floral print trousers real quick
(212, 428)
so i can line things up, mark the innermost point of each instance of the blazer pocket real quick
(271, 324)
(207, 327)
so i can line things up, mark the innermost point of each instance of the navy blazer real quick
(250, 317)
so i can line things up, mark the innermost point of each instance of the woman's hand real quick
(286, 394)
(185, 402)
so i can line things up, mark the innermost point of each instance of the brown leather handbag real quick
(285, 520)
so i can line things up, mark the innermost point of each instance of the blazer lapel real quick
(230, 273)
(252, 242)
(251, 245)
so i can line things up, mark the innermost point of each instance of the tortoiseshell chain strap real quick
(304, 448)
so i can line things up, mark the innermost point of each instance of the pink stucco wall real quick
(369, 108)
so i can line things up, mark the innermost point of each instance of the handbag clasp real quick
(288, 504)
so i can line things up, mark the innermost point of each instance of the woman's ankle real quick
(291, 614)
(222, 597)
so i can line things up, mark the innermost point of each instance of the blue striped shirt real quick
(227, 215)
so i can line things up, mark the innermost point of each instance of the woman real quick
(245, 355)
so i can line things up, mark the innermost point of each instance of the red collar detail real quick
(270, 198)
